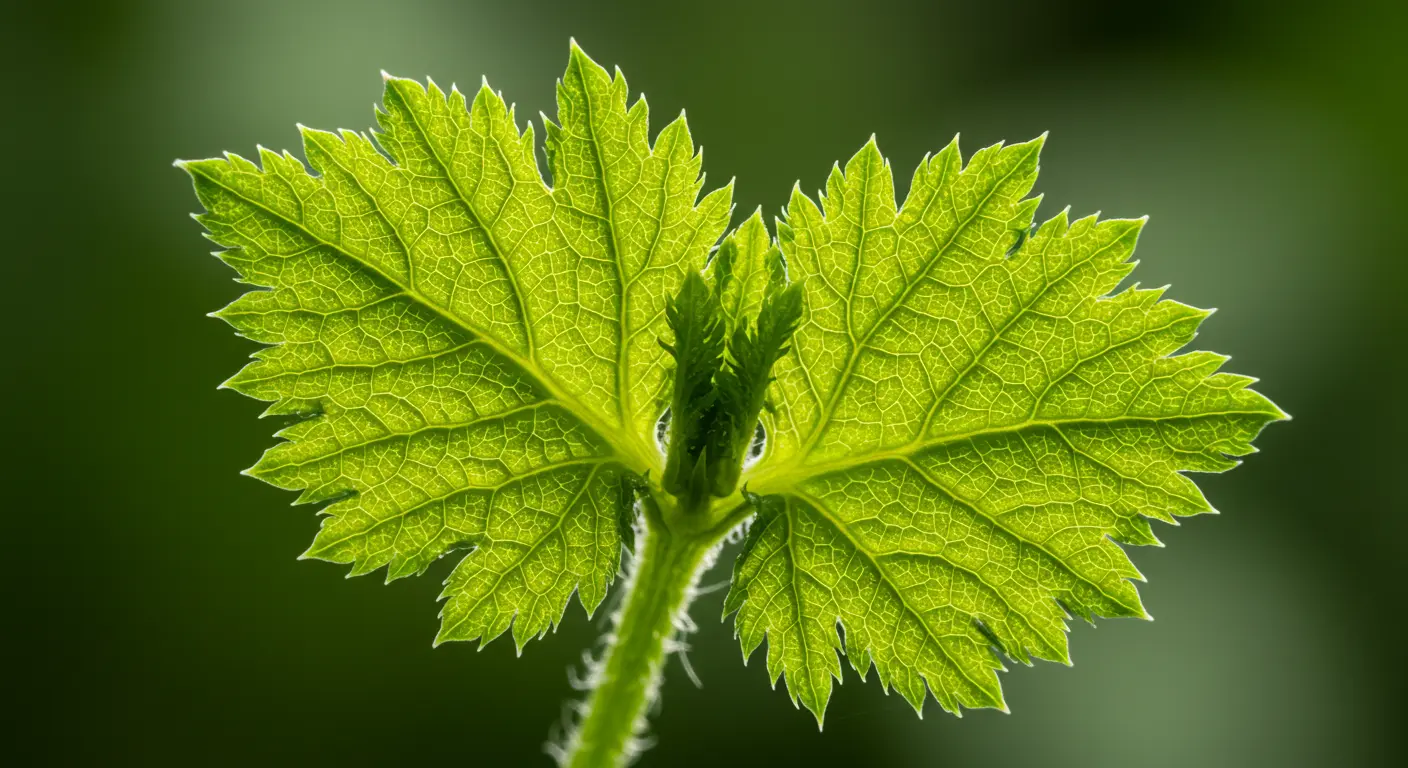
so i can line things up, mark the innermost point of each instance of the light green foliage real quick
(472, 355)
(697, 331)
(964, 421)
(747, 262)
(967, 428)
(727, 338)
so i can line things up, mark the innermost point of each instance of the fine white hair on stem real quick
(682, 649)
(709, 589)
(564, 735)
(739, 532)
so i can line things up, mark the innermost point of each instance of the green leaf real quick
(472, 355)
(696, 326)
(964, 418)
(717, 397)
(741, 272)
(753, 351)
(967, 428)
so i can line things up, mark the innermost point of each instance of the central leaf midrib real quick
(797, 595)
(998, 333)
(980, 512)
(401, 515)
(373, 366)
(884, 576)
(830, 408)
(478, 222)
(518, 564)
(623, 389)
(1048, 645)
(540, 377)
(784, 476)
(475, 421)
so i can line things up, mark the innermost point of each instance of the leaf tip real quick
(577, 55)
(386, 77)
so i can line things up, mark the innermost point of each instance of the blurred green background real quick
(160, 614)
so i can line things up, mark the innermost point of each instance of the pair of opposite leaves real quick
(966, 425)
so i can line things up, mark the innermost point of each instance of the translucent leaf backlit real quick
(969, 426)
(470, 353)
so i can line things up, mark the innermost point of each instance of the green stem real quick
(665, 571)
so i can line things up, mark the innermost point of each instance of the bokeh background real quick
(160, 616)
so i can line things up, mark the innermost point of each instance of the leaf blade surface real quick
(969, 427)
(463, 345)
